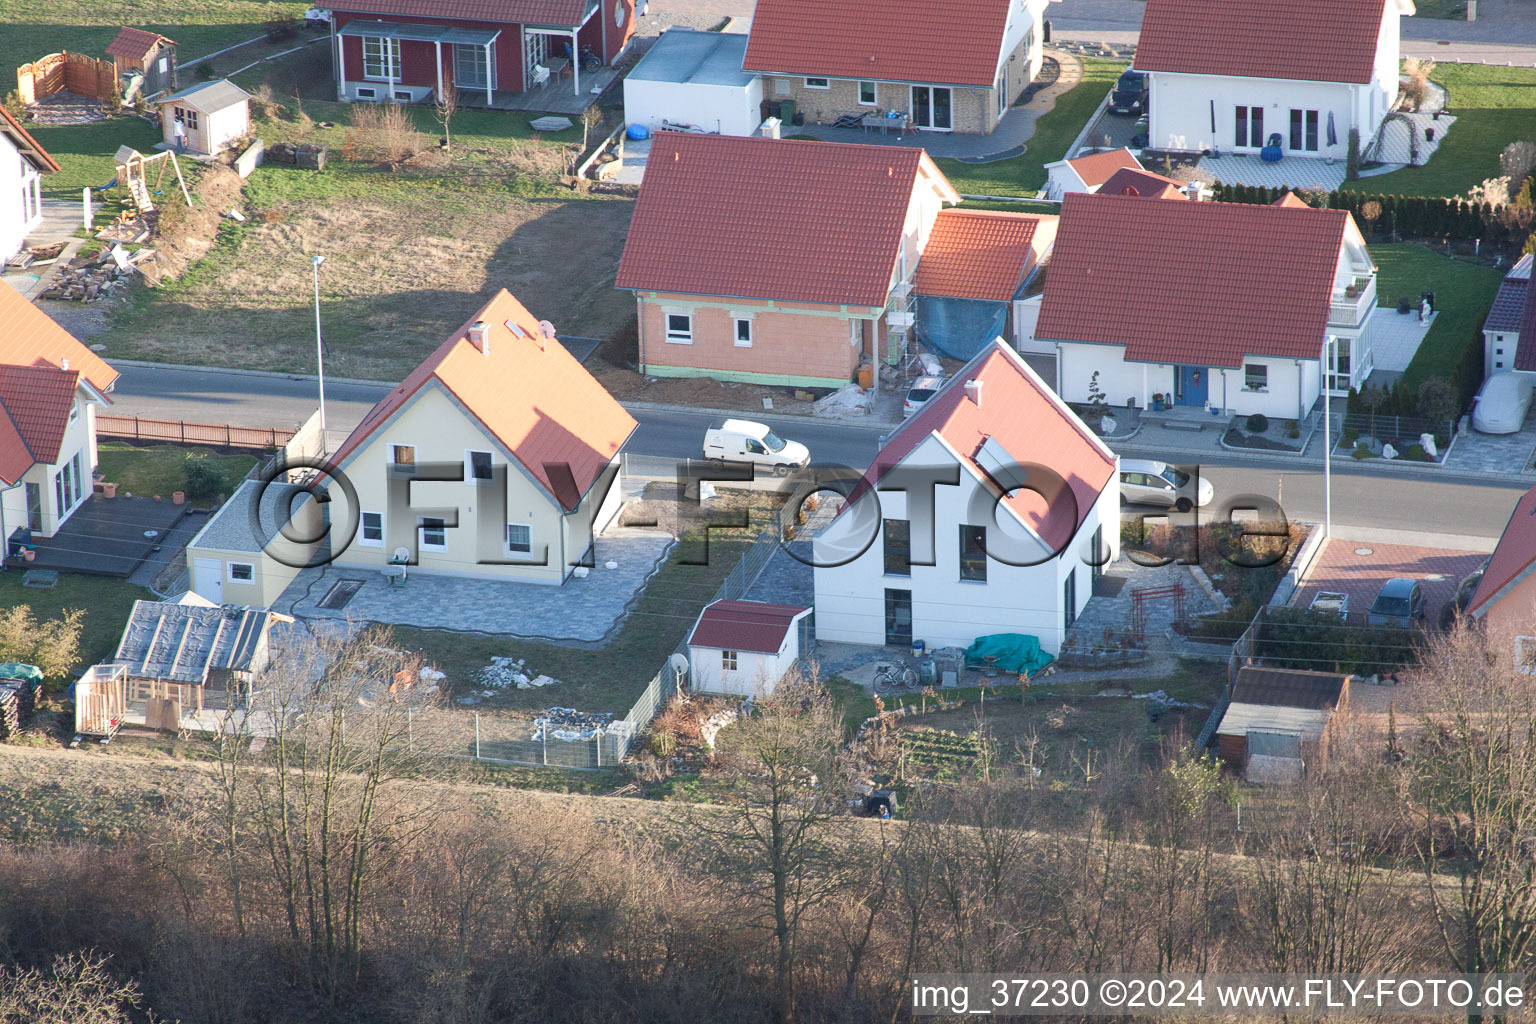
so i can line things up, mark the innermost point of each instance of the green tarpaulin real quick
(13, 670)
(1015, 652)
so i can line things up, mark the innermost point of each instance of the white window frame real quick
(187, 116)
(874, 94)
(362, 530)
(385, 59)
(470, 479)
(730, 661)
(249, 567)
(421, 533)
(826, 83)
(1262, 387)
(856, 333)
(736, 337)
(676, 337)
(506, 539)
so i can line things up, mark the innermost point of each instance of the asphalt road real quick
(1390, 500)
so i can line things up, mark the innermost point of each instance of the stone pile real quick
(94, 279)
(504, 672)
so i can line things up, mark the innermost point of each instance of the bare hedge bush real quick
(384, 133)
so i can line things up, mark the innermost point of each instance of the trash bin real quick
(919, 648)
(786, 111)
(866, 376)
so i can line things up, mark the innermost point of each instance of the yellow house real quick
(254, 545)
(498, 457)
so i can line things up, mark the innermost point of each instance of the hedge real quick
(1405, 216)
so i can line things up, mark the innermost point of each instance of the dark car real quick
(1468, 586)
(1130, 95)
(1400, 604)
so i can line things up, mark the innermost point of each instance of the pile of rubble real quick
(97, 277)
(504, 672)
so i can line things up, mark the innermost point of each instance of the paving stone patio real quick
(1394, 337)
(1359, 568)
(581, 611)
(1295, 172)
(1494, 453)
(1114, 612)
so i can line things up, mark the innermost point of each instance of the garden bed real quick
(1260, 433)
(1243, 567)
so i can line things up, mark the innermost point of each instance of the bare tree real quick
(76, 989)
(443, 109)
(1470, 793)
(787, 763)
(1181, 842)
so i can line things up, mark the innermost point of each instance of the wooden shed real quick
(213, 115)
(145, 62)
(1276, 723)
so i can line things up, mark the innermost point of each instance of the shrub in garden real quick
(1350, 436)
(203, 479)
(1292, 429)
(1362, 451)
(1257, 423)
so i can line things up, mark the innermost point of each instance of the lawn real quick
(1463, 293)
(34, 28)
(106, 601)
(163, 469)
(1494, 106)
(1024, 175)
(609, 679)
(85, 152)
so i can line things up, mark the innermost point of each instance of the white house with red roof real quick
(1234, 315)
(1228, 75)
(949, 67)
(498, 457)
(50, 385)
(989, 511)
(1509, 331)
(744, 647)
(410, 51)
(1505, 598)
(22, 164)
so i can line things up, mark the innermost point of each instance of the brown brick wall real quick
(975, 110)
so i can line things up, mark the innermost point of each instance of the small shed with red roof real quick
(745, 647)
(146, 56)
(1086, 173)
(988, 511)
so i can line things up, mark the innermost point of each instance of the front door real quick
(35, 508)
(1194, 385)
(931, 108)
(898, 618)
(208, 579)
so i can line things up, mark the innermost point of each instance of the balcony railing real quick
(1345, 311)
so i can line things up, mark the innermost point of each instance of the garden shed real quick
(1276, 724)
(181, 650)
(213, 115)
(695, 78)
(145, 62)
(745, 647)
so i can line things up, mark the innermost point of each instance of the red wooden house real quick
(514, 54)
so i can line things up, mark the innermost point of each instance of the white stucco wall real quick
(1499, 351)
(755, 672)
(79, 438)
(948, 611)
(1291, 386)
(728, 110)
(1180, 111)
(20, 199)
(1060, 179)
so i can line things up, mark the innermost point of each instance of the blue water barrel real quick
(638, 132)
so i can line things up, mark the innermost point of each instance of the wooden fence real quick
(72, 72)
(217, 435)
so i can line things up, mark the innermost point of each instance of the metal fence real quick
(1383, 425)
(181, 432)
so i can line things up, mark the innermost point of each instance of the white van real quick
(1143, 482)
(746, 441)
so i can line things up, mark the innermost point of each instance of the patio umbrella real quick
(1333, 135)
(1213, 117)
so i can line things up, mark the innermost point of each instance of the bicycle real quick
(895, 676)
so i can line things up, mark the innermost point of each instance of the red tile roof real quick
(40, 366)
(1309, 40)
(771, 218)
(34, 154)
(1292, 200)
(1512, 557)
(978, 254)
(958, 42)
(1228, 280)
(135, 43)
(1135, 182)
(1024, 416)
(530, 12)
(1095, 168)
(744, 626)
(529, 393)
(1525, 351)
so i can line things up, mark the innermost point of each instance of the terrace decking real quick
(106, 537)
(555, 97)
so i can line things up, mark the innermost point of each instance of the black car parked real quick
(1130, 95)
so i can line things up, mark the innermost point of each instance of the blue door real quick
(1194, 385)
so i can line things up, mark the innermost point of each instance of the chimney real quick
(479, 336)
(973, 391)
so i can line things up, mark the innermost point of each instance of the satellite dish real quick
(546, 329)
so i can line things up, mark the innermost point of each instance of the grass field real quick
(1024, 175)
(33, 28)
(163, 469)
(106, 601)
(1463, 293)
(1494, 106)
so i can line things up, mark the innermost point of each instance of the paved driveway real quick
(1359, 568)
(1494, 453)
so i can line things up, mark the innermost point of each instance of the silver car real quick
(923, 389)
(1144, 482)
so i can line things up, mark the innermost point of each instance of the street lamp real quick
(319, 349)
